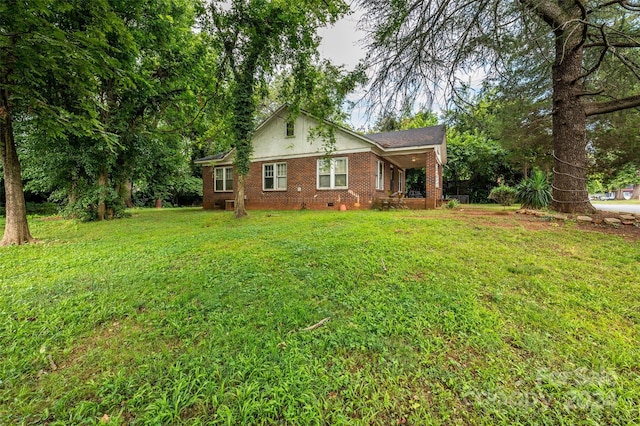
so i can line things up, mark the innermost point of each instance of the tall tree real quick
(418, 43)
(261, 38)
(147, 102)
(36, 51)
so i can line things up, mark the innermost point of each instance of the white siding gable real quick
(271, 141)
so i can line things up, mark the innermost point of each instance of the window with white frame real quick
(437, 176)
(223, 179)
(400, 182)
(274, 177)
(379, 174)
(332, 173)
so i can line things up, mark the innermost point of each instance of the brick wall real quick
(211, 199)
(301, 185)
(208, 200)
(434, 193)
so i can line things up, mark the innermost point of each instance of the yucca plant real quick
(534, 192)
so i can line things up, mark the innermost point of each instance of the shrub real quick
(534, 192)
(503, 194)
(452, 204)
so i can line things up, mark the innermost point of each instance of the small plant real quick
(452, 204)
(534, 192)
(503, 194)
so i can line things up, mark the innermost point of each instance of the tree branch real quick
(606, 4)
(594, 93)
(550, 12)
(600, 59)
(596, 108)
(612, 44)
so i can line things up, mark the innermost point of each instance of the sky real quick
(343, 44)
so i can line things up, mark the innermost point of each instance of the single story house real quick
(290, 170)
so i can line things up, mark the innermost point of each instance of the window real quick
(274, 177)
(437, 176)
(223, 180)
(290, 129)
(400, 183)
(332, 173)
(379, 174)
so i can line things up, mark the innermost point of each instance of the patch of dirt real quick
(629, 232)
(509, 219)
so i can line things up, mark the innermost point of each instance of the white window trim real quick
(225, 170)
(275, 177)
(332, 173)
(379, 175)
(400, 183)
(437, 176)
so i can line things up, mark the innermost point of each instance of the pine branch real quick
(596, 108)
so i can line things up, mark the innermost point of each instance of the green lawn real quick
(192, 317)
(615, 202)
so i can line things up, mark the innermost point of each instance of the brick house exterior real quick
(289, 170)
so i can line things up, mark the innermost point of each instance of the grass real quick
(615, 202)
(191, 317)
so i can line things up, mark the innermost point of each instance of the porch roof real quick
(410, 138)
(212, 158)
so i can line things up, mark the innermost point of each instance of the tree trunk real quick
(73, 190)
(16, 229)
(569, 126)
(619, 194)
(240, 210)
(125, 192)
(636, 192)
(103, 179)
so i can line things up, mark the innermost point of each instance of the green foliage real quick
(534, 192)
(405, 120)
(147, 109)
(160, 319)
(452, 204)
(628, 174)
(38, 209)
(84, 206)
(475, 162)
(260, 38)
(503, 194)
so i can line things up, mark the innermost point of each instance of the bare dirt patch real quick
(509, 219)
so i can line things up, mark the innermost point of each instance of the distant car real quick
(603, 197)
(608, 196)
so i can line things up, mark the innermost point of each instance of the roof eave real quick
(212, 161)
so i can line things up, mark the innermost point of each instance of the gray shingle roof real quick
(218, 156)
(410, 138)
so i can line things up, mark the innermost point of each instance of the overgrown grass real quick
(192, 317)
